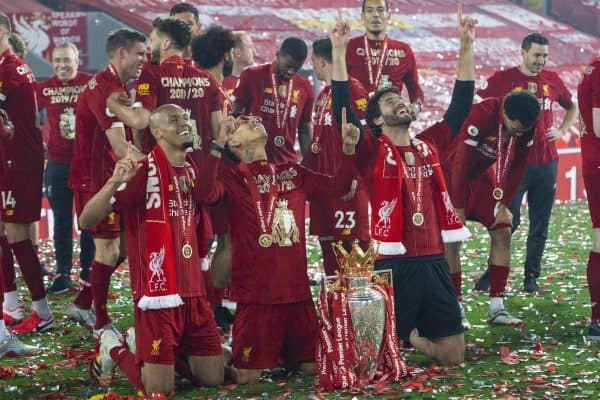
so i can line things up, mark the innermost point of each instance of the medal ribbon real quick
(184, 218)
(374, 82)
(265, 217)
(280, 119)
(502, 166)
(415, 195)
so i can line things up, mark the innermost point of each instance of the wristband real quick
(215, 147)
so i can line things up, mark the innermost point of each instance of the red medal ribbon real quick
(374, 81)
(502, 166)
(281, 119)
(265, 217)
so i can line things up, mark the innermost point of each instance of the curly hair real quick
(210, 48)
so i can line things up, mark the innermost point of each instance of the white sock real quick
(11, 300)
(2, 331)
(496, 303)
(41, 307)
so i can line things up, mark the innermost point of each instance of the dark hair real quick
(522, 106)
(294, 47)
(322, 48)
(5, 21)
(387, 6)
(209, 48)
(178, 31)
(123, 37)
(18, 44)
(185, 7)
(534, 37)
(373, 110)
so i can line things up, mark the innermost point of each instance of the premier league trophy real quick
(357, 338)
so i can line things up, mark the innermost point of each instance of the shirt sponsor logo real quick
(143, 89)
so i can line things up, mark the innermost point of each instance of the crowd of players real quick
(161, 153)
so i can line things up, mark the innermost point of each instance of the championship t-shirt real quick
(93, 160)
(176, 81)
(397, 66)
(588, 94)
(59, 98)
(24, 152)
(131, 201)
(283, 105)
(548, 88)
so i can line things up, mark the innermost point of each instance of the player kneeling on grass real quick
(175, 329)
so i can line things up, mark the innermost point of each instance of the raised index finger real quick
(459, 14)
(344, 117)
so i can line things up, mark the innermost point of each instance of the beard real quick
(229, 153)
(187, 145)
(155, 56)
(398, 120)
(228, 67)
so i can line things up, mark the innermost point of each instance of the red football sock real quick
(498, 278)
(125, 359)
(593, 278)
(101, 274)
(85, 297)
(30, 268)
(8, 266)
(456, 278)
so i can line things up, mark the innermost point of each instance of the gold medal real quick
(265, 240)
(497, 193)
(315, 147)
(187, 250)
(418, 219)
(279, 141)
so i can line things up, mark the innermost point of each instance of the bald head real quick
(170, 126)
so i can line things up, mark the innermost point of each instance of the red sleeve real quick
(359, 98)
(243, 92)
(217, 99)
(41, 99)
(314, 182)
(146, 89)
(132, 194)
(595, 88)
(439, 134)
(492, 87)
(7, 85)
(208, 189)
(97, 105)
(411, 79)
(517, 166)
(469, 136)
(565, 98)
(306, 116)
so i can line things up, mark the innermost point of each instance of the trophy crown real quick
(355, 262)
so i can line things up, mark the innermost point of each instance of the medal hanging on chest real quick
(279, 140)
(374, 80)
(501, 164)
(265, 214)
(184, 214)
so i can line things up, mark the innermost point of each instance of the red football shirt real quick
(176, 81)
(424, 240)
(59, 98)
(475, 149)
(24, 152)
(548, 88)
(275, 274)
(588, 94)
(230, 83)
(93, 162)
(398, 67)
(131, 202)
(326, 147)
(283, 108)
